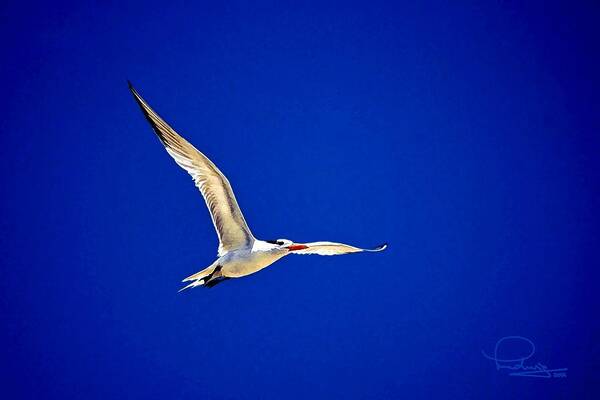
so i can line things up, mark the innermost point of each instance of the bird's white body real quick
(240, 253)
(238, 263)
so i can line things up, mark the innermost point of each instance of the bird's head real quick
(287, 244)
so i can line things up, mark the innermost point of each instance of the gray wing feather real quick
(226, 215)
(334, 249)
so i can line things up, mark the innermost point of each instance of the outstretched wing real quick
(332, 249)
(227, 218)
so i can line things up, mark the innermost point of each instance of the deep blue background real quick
(466, 136)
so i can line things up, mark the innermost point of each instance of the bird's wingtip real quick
(132, 89)
(381, 247)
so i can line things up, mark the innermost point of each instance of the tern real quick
(240, 253)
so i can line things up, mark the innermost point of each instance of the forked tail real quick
(208, 277)
(199, 278)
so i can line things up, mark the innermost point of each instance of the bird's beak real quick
(296, 247)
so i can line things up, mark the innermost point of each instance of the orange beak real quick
(296, 247)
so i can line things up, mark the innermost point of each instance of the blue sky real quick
(465, 136)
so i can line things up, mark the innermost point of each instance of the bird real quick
(240, 253)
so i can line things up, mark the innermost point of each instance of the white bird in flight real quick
(240, 253)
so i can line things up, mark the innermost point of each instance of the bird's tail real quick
(200, 278)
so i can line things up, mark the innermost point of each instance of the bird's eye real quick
(280, 243)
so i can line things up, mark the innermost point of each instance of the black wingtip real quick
(136, 96)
